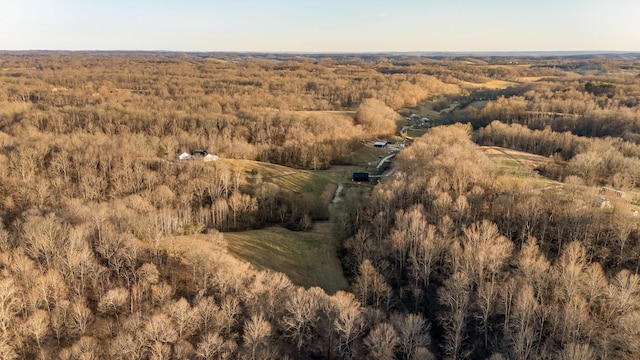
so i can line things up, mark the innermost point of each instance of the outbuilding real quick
(361, 176)
(210, 157)
(380, 144)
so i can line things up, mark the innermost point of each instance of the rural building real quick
(185, 156)
(360, 176)
(634, 213)
(200, 155)
(380, 144)
(210, 157)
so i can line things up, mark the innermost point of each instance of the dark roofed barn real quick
(360, 176)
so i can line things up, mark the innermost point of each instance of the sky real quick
(321, 25)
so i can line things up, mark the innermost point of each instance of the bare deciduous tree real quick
(113, 301)
(523, 323)
(184, 318)
(256, 334)
(87, 348)
(413, 337)
(211, 347)
(382, 341)
(454, 296)
(301, 316)
(348, 321)
(80, 316)
(371, 287)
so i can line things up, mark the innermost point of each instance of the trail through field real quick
(384, 160)
(336, 196)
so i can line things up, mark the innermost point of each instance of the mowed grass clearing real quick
(307, 258)
(519, 165)
(317, 190)
(491, 84)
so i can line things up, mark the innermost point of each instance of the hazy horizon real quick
(286, 26)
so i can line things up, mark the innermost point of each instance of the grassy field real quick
(307, 258)
(316, 189)
(479, 104)
(518, 164)
(492, 84)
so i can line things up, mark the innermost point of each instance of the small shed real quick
(185, 156)
(380, 144)
(360, 176)
(210, 157)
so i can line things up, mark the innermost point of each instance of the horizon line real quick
(338, 52)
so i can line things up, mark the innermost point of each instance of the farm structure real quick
(360, 176)
(198, 154)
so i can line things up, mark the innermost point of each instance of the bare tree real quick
(593, 284)
(534, 266)
(382, 341)
(80, 316)
(624, 291)
(371, 287)
(125, 346)
(570, 266)
(230, 309)
(487, 299)
(184, 318)
(58, 319)
(211, 347)
(210, 317)
(10, 304)
(348, 321)
(454, 296)
(523, 323)
(50, 288)
(36, 327)
(301, 316)
(485, 251)
(158, 334)
(429, 249)
(113, 301)
(413, 337)
(87, 348)
(44, 237)
(256, 334)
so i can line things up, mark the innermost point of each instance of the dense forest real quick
(450, 255)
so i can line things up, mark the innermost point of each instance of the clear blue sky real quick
(322, 25)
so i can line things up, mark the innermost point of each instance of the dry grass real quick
(251, 168)
(492, 84)
(479, 104)
(307, 258)
(518, 164)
